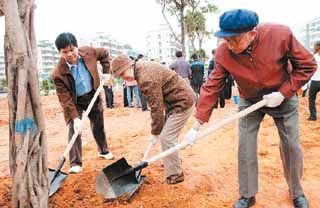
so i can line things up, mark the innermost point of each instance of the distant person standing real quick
(314, 84)
(197, 73)
(181, 66)
(211, 62)
(221, 98)
(125, 100)
(132, 88)
(108, 92)
(76, 79)
(144, 105)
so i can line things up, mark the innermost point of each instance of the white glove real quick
(77, 125)
(273, 99)
(191, 136)
(153, 139)
(105, 77)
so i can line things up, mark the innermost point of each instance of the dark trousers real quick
(109, 96)
(196, 86)
(221, 100)
(314, 89)
(97, 128)
(143, 101)
(304, 92)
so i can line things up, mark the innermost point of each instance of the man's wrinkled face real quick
(239, 43)
(128, 74)
(70, 54)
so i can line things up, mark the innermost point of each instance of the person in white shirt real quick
(314, 84)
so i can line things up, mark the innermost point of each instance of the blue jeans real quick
(136, 94)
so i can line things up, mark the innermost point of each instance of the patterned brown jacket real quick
(166, 92)
(64, 81)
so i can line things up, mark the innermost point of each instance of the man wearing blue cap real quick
(268, 63)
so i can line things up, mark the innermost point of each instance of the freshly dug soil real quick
(210, 166)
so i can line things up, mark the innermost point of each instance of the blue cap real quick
(236, 21)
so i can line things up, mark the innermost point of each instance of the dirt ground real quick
(210, 166)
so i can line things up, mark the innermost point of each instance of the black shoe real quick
(311, 119)
(245, 202)
(301, 202)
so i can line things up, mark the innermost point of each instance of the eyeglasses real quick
(235, 40)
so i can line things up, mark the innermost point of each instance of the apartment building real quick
(309, 33)
(48, 56)
(161, 44)
(2, 65)
(113, 46)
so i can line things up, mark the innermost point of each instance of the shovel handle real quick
(209, 130)
(236, 116)
(152, 142)
(58, 168)
(86, 113)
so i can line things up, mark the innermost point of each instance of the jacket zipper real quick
(255, 67)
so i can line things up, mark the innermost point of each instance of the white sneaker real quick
(108, 156)
(75, 169)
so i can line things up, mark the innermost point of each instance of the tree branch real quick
(168, 23)
(1, 8)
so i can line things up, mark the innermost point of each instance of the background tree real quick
(27, 139)
(46, 85)
(190, 16)
(195, 23)
(3, 85)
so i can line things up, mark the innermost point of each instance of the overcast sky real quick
(129, 20)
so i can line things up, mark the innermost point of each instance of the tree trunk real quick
(182, 31)
(28, 144)
(168, 23)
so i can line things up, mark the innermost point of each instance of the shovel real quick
(56, 177)
(120, 179)
(130, 185)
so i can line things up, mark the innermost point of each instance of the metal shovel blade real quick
(56, 179)
(122, 187)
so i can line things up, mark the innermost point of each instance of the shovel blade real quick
(56, 179)
(122, 187)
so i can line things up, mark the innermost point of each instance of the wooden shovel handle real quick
(209, 130)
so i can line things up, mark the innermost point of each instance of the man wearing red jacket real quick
(268, 63)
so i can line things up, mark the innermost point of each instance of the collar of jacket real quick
(71, 65)
(252, 46)
(137, 67)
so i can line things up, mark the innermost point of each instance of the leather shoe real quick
(300, 202)
(312, 119)
(174, 179)
(245, 202)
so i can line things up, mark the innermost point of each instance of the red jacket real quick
(275, 61)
